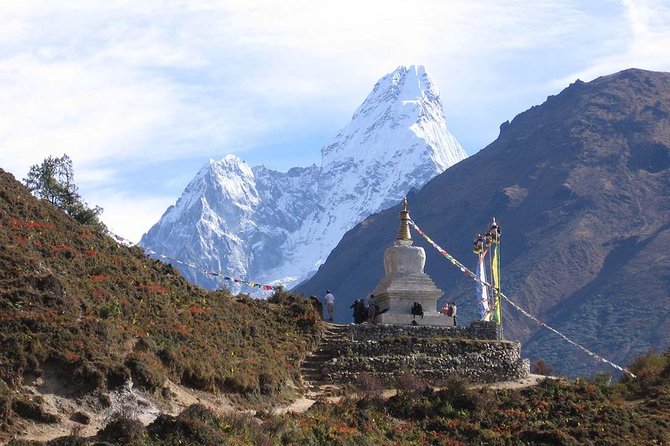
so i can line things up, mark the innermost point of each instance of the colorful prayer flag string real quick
(517, 307)
(263, 287)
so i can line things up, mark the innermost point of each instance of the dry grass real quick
(74, 299)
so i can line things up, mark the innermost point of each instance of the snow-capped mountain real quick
(280, 226)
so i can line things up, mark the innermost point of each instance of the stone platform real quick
(435, 354)
(433, 320)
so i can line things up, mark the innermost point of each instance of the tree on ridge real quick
(53, 180)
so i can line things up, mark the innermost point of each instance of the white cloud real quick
(643, 42)
(124, 83)
(130, 216)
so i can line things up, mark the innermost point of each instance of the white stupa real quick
(405, 283)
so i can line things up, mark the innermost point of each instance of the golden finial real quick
(403, 233)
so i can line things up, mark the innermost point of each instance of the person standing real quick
(358, 307)
(454, 311)
(329, 299)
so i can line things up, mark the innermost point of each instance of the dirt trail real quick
(303, 403)
(141, 406)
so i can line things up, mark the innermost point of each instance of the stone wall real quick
(433, 353)
(476, 330)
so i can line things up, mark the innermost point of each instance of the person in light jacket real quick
(329, 299)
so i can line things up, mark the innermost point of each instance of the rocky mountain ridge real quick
(280, 226)
(581, 186)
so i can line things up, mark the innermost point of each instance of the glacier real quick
(279, 227)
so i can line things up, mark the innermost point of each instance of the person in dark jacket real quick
(316, 303)
(360, 311)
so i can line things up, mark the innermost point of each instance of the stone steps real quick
(331, 345)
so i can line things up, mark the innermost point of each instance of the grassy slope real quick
(74, 300)
(556, 412)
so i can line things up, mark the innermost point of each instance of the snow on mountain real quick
(280, 226)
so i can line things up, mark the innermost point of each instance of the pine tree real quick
(53, 180)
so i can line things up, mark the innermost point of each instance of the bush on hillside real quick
(5, 402)
(369, 386)
(410, 383)
(540, 367)
(125, 431)
(651, 371)
(196, 425)
(33, 410)
(53, 180)
(146, 370)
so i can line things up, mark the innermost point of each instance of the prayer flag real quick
(495, 271)
(482, 291)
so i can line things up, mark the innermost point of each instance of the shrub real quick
(89, 377)
(411, 384)
(196, 425)
(540, 367)
(369, 386)
(458, 394)
(146, 370)
(33, 411)
(117, 375)
(125, 431)
(268, 383)
(5, 401)
(282, 297)
(81, 418)
(650, 370)
(109, 309)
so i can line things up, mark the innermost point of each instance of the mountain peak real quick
(405, 99)
(413, 81)
(271, 225)
(230, 164)
(406, 83)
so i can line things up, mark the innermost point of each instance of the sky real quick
(142, 94)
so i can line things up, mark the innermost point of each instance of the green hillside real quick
(75, 303)
(555, 412)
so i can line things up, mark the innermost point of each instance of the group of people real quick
(369, 312)
(363, 312)
(450, 309)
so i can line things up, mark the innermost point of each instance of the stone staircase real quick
(335, 339)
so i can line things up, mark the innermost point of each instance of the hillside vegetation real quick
(77, 305)
(556, 412)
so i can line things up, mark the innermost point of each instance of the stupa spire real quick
(403, 232)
